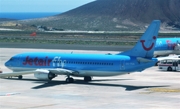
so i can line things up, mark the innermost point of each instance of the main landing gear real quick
(87, 78)
(71, 80)
(20, 77)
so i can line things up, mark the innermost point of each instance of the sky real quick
(40, 5)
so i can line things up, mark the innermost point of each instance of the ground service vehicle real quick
(170, 64)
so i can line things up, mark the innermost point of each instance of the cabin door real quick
(122, 64)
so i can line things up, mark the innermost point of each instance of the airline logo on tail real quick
(145, 46)
(148, 48)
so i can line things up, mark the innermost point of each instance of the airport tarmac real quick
(150, 89)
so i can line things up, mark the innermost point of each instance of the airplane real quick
(47, 65)
(173, 57)
(166, 46)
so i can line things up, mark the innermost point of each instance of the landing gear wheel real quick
(87, 78)
(169, 69)
(69, 80)
(156, 63)
(20, 77)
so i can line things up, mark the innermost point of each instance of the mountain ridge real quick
(115, 15)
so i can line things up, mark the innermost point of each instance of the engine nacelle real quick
(44, 76)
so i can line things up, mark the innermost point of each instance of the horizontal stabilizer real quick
(140, 59)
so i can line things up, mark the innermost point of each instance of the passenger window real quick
(169, 62)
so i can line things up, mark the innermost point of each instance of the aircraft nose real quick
(7, 64)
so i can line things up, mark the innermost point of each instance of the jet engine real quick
(44, 75)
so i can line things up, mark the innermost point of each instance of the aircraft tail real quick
(146, 45)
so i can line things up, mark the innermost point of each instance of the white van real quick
(169, 65)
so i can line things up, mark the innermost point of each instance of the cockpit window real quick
(11, 59)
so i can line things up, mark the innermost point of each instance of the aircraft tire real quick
(156, 63)
(169, 69)
(87, 78)
(20, 77)
(69, 80)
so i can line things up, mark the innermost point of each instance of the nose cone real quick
(7, 64)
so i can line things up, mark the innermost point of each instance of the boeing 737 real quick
(166, 46)
(47, 65)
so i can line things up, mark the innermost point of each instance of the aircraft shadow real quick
(46, 84)
(36, 80)
(127, 87)
(81, 82)
(169, 71)
(77, 81)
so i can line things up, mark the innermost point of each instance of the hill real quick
(115, 15)
(4, 19)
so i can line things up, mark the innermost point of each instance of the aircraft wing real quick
(4, 75)
(57, 71)
(61, 71)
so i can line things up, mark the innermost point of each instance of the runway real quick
(149, 89)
